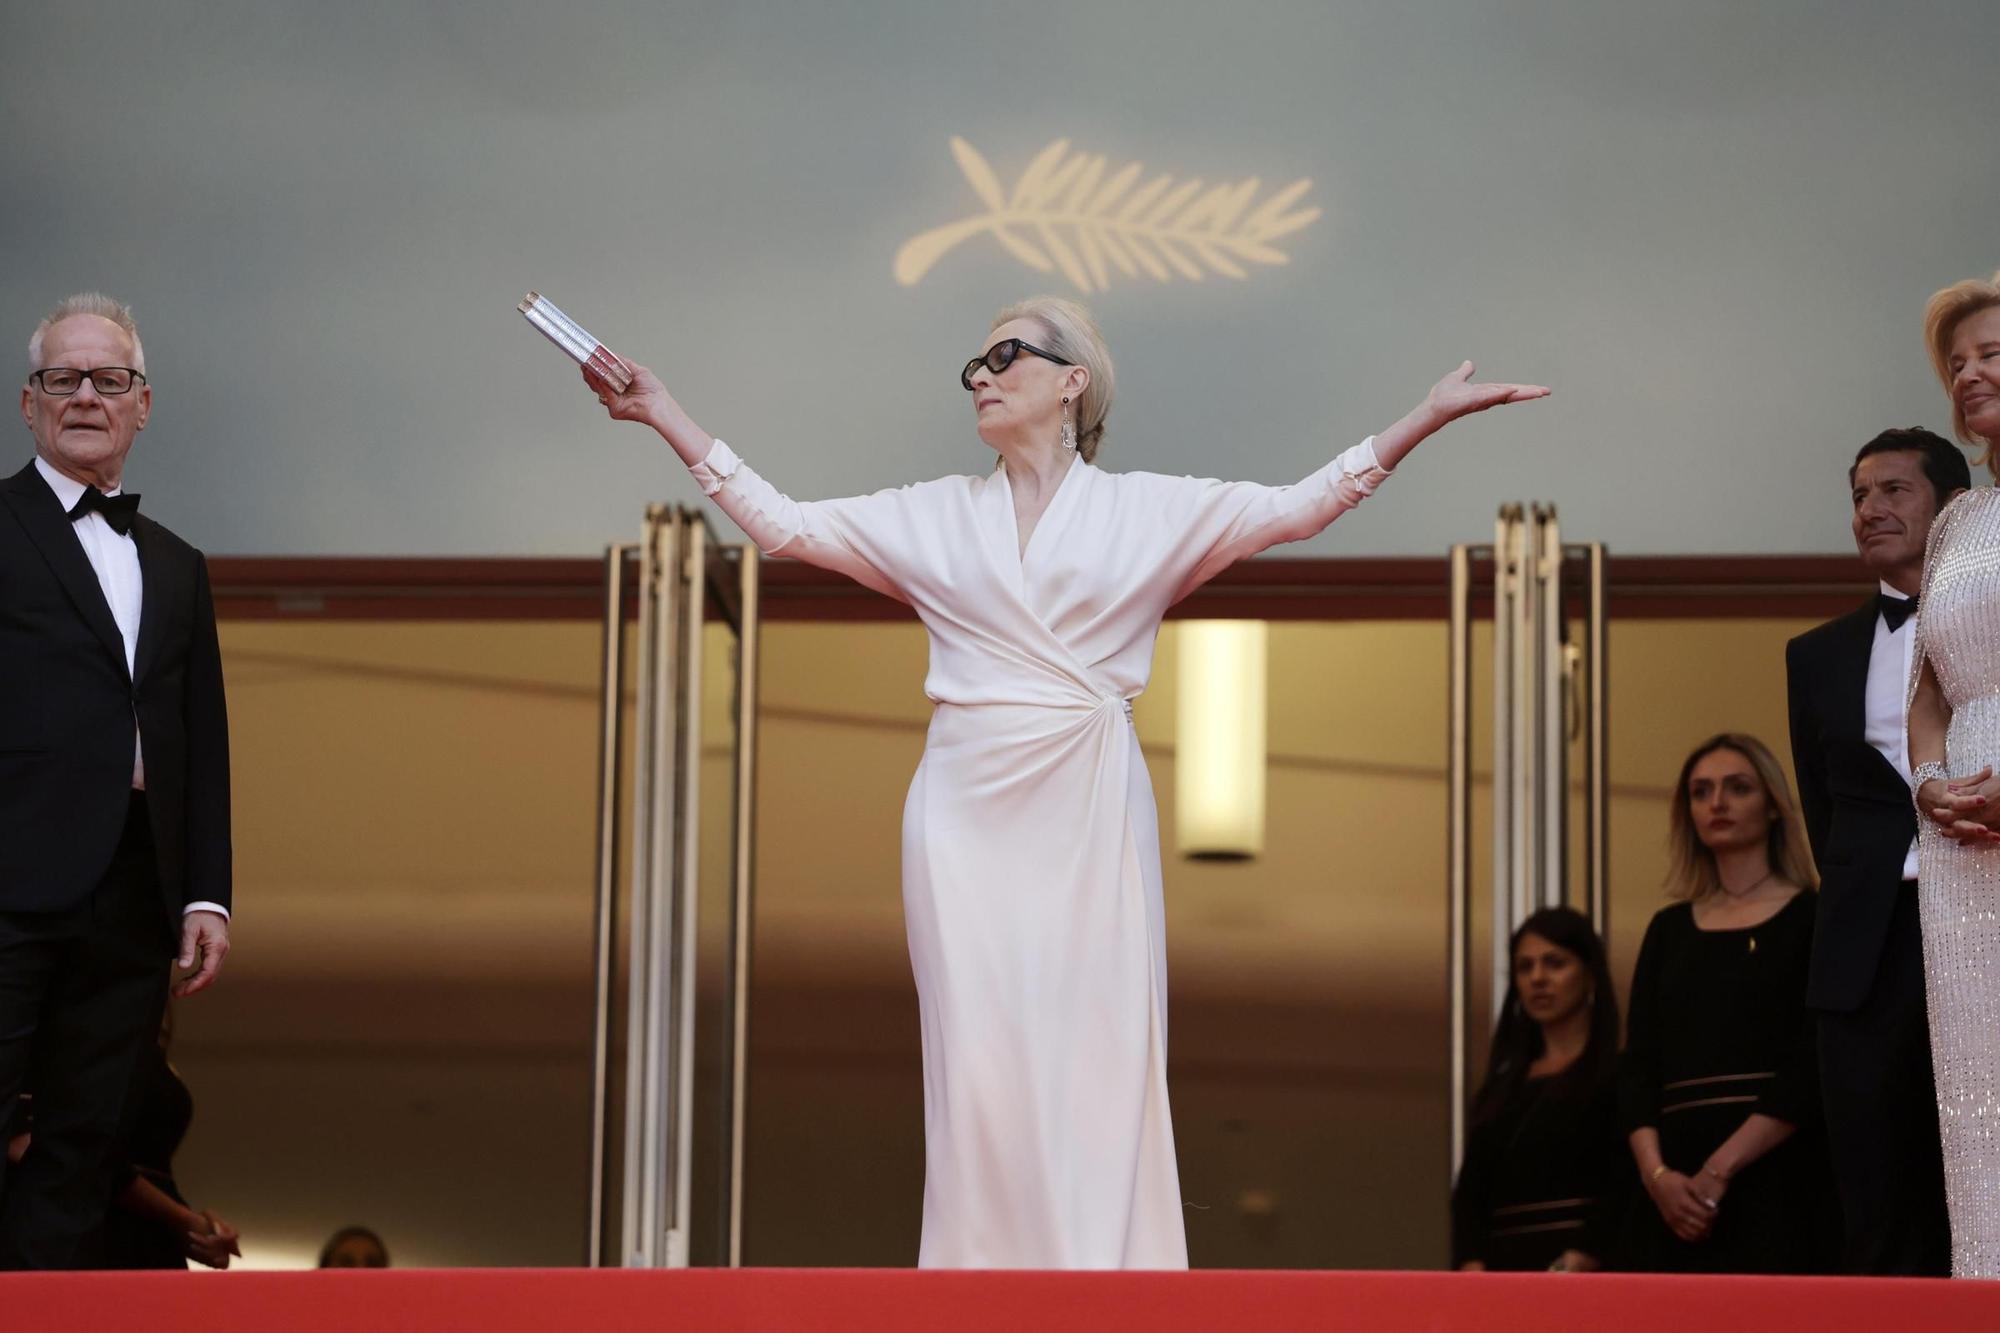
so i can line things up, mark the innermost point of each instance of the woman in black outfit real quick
(152, 1226)
(1545, 1178)
(1718, 1086)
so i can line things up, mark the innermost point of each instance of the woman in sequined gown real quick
(1954, 750)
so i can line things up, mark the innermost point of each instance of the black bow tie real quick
(118, 510)
(1895, 610)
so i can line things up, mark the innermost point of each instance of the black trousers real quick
(81, 993)
(1881, 1115)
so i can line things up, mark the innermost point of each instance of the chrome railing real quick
(1549, 695)
(680, 1119)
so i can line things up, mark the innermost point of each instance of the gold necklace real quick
(1739, 897)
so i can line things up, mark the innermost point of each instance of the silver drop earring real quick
(1069, 428)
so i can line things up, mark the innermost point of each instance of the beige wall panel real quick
(401, 1037)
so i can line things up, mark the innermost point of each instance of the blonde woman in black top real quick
(1718, 1085)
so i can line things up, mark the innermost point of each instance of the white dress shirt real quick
(114, 558)
(1887, 725)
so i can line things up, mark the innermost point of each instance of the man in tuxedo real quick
(1848, 684)
(114, 779)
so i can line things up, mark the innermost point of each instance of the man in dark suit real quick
(114, 779)
(1847, 681)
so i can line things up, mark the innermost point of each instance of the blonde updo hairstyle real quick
(1946, 311)
(1071, 333)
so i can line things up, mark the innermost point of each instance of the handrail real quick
(1540, 683)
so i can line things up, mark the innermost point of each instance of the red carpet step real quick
(901, 1301)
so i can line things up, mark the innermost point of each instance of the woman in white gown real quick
(1954, 749)
(1031, 862)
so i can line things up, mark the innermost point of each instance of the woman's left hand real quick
(1709, 1186)
(1965, 809)
(1457, 396)
(1978, 798)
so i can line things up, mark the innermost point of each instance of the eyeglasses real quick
(1001, 355)
(109, 381)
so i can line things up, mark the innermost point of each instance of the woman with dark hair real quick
(1544, 1179)
(354, 1247)
(1719, 1084)
(152, 1225)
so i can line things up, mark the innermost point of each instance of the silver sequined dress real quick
(1958, 630)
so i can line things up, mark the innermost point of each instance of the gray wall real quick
(1710, 225)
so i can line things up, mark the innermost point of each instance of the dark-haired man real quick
(1848, 685)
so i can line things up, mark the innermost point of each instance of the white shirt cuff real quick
(216, 908)
(720, 465)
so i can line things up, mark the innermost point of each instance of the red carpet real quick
(876, 1301)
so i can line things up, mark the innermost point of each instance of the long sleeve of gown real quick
(1228, 521)
(851, 536)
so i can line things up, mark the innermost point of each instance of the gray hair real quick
(87, 303)
(1073, 335)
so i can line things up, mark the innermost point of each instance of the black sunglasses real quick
(1001, 355)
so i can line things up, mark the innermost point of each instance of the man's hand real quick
(204, 944)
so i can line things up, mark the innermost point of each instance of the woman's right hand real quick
(1687, 1214)
(645, 399)
(210, 1240)
(642, 400)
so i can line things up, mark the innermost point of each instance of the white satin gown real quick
(1031, 857)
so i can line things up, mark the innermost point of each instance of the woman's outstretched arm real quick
(1229, 521)
(857, 536)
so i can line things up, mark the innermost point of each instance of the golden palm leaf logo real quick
(1066, 215)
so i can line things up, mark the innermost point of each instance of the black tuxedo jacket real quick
(68, 704)
(1857, 808)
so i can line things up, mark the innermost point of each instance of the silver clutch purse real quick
(574, 339)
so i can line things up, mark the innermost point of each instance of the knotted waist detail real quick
(1109, 702)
